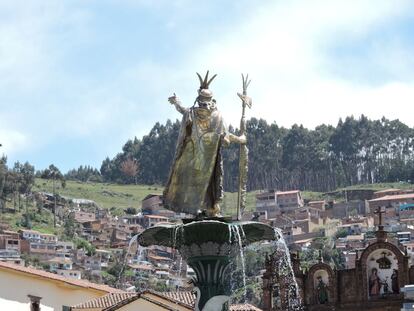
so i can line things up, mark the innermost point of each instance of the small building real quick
(393, 201)
(81, 217)
(10, 240)
(404, 236)
(275, 203)
(385, 192)
(11, 256)
(152, 203)
(320, 205)
(23, 288)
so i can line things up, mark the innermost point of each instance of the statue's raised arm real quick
(174, 100)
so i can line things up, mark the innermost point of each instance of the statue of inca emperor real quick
(195, 182)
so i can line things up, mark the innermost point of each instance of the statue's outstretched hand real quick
(174, 100)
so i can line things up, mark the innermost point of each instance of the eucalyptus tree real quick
(54, 174)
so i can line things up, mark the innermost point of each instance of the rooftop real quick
(156, 216)
(106, 301)
(55, 277)
(287, 192)
(387, 190)
(394, 197)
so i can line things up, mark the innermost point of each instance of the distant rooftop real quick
(394, 197)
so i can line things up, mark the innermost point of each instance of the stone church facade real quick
(374, 284)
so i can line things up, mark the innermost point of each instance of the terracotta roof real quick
(114, 301)
(60, 260)
(188, 298)
(10, 232)
(387, 190)
(394, 197)
(244, 307)
(185, 297)
(358, 237)
(141, 267)
(29, 231)
(106, 301)
(155, 257)
(52, 276)
(287, 192)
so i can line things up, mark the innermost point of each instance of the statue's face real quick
(205, 104)
(205, 99)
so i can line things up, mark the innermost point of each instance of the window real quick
(65, 308)
(34, 303)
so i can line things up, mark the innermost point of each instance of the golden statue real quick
(195, 184)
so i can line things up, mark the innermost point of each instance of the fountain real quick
(208, 242)
(208, 246)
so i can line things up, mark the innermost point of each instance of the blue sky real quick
(79, 78)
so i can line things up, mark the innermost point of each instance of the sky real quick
(79, 78)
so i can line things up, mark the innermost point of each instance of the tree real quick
(130, 211)
(3, 173)
(53, 173)
(355, 151)
(69, 226)
(130, 168)
(85, 174)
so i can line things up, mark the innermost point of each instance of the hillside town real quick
(350, 221)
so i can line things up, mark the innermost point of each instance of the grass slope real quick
(118, 197)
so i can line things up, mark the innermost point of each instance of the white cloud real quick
(12, 141)
(283, 47)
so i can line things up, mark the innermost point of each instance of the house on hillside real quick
(391, 191)
(10, 240)
(275, 203)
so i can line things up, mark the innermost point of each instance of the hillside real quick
(118, 197)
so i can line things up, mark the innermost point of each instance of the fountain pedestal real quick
(208, 246)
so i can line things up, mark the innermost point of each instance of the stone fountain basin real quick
(206, 237)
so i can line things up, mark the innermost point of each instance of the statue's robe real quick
(195, 180)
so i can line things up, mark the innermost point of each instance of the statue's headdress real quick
(204, 94)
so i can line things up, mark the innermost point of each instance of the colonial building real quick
(374, 283)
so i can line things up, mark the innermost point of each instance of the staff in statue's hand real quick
(244, 152)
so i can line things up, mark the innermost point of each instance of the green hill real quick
(118, 197)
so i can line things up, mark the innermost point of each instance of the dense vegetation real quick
(356, 151)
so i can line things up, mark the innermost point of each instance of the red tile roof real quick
(188, 298)
(113, 301)
(55, 277)
(244, 307)
(394, 197)
(387, 190)
(287, 192)
(106, 301)
(185, 297)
